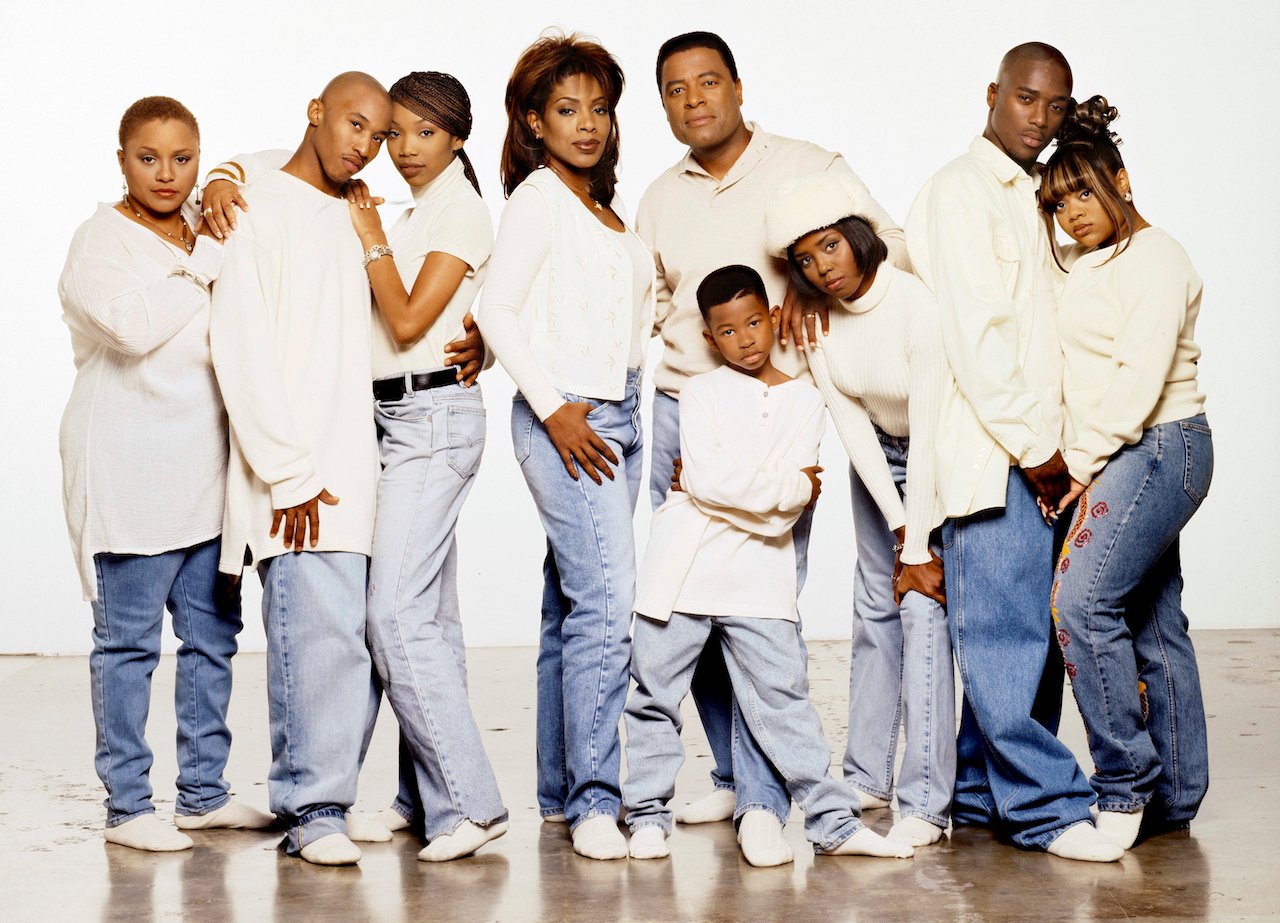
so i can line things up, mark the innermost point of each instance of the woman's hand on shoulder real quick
(578, 444)
(363, 209)
(219, 203)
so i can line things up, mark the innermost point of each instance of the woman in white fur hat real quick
(884, 374)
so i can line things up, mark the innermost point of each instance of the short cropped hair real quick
(154, 109)
(696, 40)
(728, 283)
(869, 251)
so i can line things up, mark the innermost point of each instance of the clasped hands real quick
(1054, 487)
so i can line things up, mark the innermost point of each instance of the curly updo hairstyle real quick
(548, 61)
(1087, 156)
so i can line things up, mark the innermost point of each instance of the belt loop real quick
(408, 384)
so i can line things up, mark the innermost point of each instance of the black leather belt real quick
(393, 389)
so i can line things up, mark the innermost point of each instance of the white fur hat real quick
(811, 202)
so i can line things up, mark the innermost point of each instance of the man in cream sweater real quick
(705, 212)
(977, 241)
(289, 333)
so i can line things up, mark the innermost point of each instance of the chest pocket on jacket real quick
(1008, 257)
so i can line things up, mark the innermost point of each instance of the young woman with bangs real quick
(1140, 453)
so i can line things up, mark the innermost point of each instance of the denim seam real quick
(193, 703)
(1091, 599)
(606, 641)
(396, 624)
(102, 692)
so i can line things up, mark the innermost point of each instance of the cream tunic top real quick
(143, 436)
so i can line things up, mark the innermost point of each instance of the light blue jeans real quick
(740, 763)
(133, 592)
(431, 443)
(589, 579)
(1117, 602)
(319, 687)
(899, 670)
(1011, 770)
(768, 669)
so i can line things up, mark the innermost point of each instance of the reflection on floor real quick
(56, 866)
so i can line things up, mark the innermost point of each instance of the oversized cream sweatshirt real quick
(144, 436)
(1127, 327)
(289, 333)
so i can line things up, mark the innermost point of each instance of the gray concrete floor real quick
(57, 867)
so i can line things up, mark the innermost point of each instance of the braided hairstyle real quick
(442, 100)
(1087, 156)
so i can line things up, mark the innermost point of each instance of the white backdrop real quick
(898, 88)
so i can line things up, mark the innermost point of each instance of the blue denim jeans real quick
(1117, 602)
(899, 670)
(740, 763)
(1011, 769)
(589, 587)
(431, 443)
(133, 592)
(768, 669)
(319, 687)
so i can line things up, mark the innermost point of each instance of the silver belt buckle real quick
(408, 384)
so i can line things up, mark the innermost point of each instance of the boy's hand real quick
(812, 473)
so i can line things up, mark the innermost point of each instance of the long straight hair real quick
(548, 61)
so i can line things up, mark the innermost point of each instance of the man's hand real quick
(297, 519)
(220, 200)
(812, 473)
(926, 579)
(467, 353)
(1050, 481)
(676, 468)
(576, 441)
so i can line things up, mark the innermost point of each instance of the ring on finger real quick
(208, 211)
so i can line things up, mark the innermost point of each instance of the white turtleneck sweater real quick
(884, 364)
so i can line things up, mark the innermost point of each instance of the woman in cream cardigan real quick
(567, 309)
(144, 458)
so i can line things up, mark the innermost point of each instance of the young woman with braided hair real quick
(425, 273)
(1140, 453)
(144, 461)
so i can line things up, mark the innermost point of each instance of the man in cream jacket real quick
(977, 240)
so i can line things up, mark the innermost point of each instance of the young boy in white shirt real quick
(720, 558)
